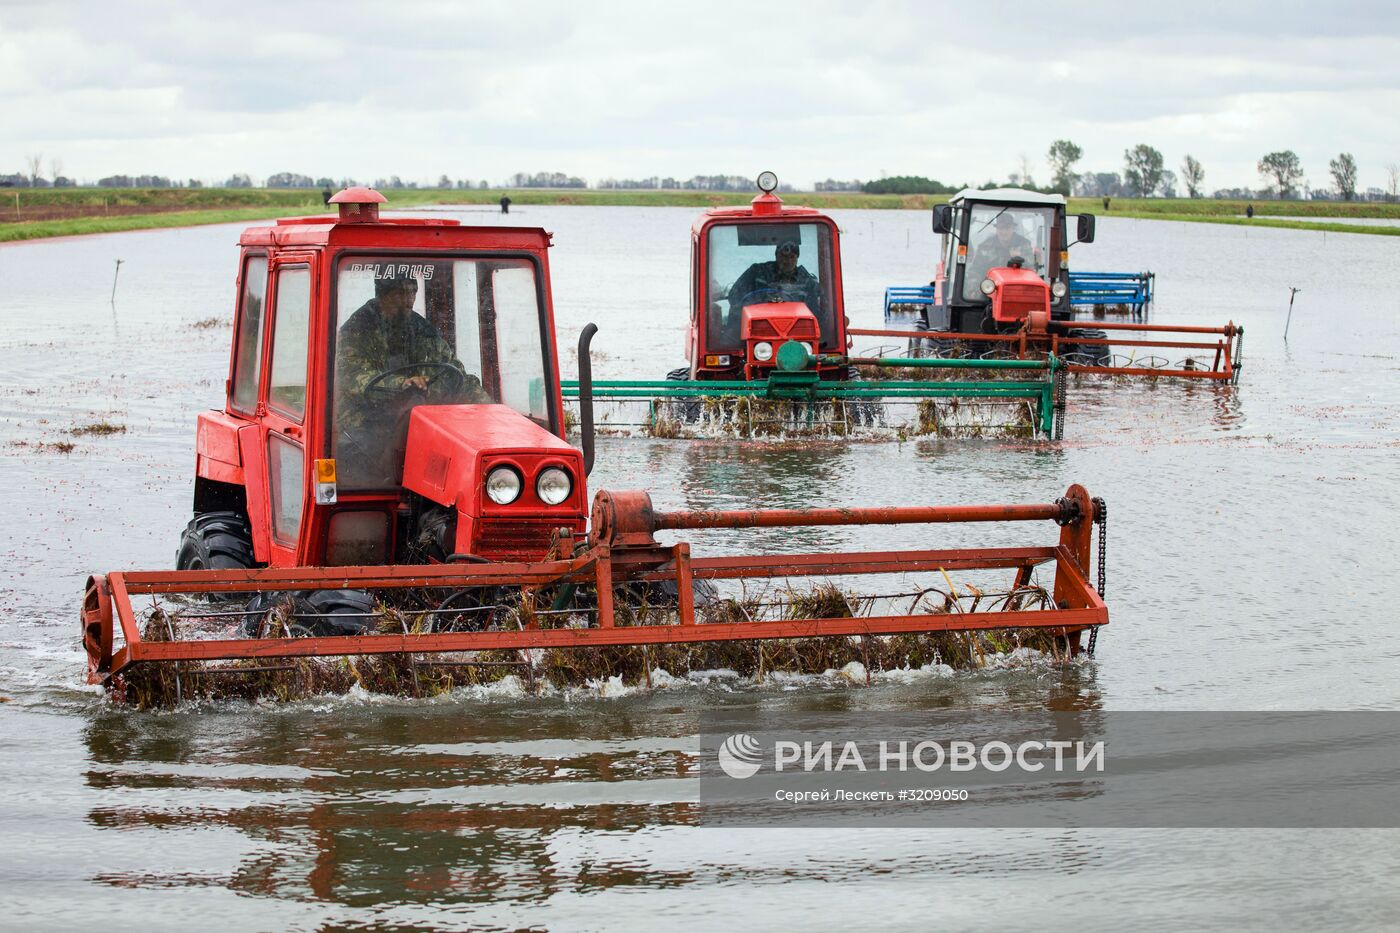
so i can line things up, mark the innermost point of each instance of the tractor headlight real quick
(763, 351)
(1058, 289)
(988, 286)
(553, 485)
(503, 485)
(811, 348)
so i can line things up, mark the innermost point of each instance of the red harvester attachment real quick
(620, 587)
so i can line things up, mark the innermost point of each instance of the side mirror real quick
(585, 395)
(943, 218)
(1086, 228)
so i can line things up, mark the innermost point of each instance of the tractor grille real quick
(1023, 294)
(504, 540)
(762, 328)
(1018, 301)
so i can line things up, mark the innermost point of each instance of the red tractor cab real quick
(763, 276)
(393, 397)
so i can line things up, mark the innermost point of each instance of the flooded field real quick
(1250, 546)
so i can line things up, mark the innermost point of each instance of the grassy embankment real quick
(32, 214)
(1266, 213)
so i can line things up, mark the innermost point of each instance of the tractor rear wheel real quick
(216, 541)
(310, 613)
(1089, 354)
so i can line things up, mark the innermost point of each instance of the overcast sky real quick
(958, 92)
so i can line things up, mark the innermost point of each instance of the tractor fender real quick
(217, 455)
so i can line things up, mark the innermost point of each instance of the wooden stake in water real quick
(1292, 293)
(114, 280)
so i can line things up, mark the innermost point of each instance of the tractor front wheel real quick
(217, 541)
(686, 409)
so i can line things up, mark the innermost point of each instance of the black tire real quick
(216, 541)
(312, 613)
(1091, 354)
(336, 612)
(687, 409)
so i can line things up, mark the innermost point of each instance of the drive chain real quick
(1061, 381)
(1100, 519)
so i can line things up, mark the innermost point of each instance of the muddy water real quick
(1251, 546)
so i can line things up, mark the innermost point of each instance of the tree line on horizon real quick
(1144, 175)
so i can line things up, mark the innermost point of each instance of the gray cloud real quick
(814, 90)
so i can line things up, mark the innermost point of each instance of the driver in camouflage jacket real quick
(381, 336)
(784, 275)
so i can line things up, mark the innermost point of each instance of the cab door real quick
(284, 407)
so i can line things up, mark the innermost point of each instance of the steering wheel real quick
(773, 293)
(440, 371)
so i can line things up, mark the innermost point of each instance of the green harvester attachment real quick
(952, 398)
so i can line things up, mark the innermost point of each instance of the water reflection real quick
(787, 476)
(460, 803)
(371, 810)
(1227, 407)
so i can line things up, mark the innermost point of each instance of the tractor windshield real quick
(999, 233)
(412, 331)
(756, 263)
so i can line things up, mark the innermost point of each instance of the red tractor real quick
(325, 395)
(388, 476)
(761, 276)
(768, 341)
(1002, 288)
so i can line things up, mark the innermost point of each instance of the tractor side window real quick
(518, 343)
(247, 353)
(285, 474)
(290, 335)
(466, 289)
